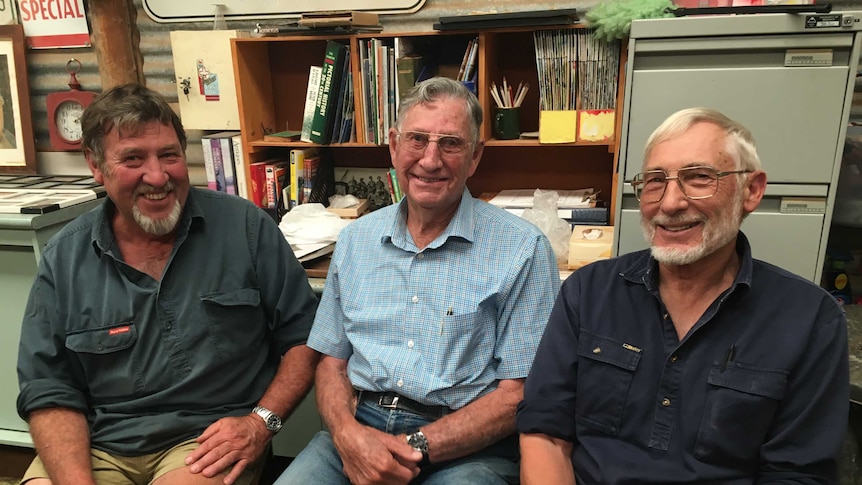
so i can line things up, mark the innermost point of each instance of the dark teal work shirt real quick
(153, 363)
(756, 392)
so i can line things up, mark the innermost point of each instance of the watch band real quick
(270, 419)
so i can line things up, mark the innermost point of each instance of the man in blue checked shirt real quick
(431, 316)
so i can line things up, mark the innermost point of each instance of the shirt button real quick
(168, 326)
(415, 299)
(420, 256)
(665, 402)
(400, 382)
(666, 316)
(673, 359)
(410, 343)
(597, 350)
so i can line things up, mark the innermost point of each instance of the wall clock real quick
(65, 109)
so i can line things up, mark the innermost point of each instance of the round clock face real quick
(67, 119)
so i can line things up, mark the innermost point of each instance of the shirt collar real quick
(461, 226)
(102, 234)
(644, 269)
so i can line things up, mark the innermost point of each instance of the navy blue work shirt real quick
(756, 392)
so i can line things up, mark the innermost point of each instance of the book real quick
(209, 169)
(239, 167)
(335, 135)
(227, 158)
(283, 136)
(309, 171)
(297, 167)
(330, 86)
(312, 89)
(408, 71)
(218, 165)
(257, 174)
(396, 187)
(276, 180)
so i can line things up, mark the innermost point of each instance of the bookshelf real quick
(272, 73)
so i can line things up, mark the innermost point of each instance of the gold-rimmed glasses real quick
(695, 182)
(417, 141)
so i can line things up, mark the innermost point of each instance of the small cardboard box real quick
(352, 212)
(590, 243)
(338, 18)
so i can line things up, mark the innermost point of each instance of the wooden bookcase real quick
(272, 75)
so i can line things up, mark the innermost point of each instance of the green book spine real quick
(327, 97)
(408, 71)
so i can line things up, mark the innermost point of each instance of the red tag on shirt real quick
(119, 330)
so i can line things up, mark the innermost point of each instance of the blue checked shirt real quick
(444, 324)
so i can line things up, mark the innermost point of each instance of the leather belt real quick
(391, 400)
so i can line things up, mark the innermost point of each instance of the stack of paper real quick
(523, 198)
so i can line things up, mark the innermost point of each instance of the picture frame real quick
(17, 145)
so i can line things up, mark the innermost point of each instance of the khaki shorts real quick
(140, 470)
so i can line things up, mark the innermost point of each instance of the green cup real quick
(507, 123)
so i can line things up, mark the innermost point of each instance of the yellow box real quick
(558, 126)
(590, 243)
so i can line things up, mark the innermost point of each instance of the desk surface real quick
(39, 221)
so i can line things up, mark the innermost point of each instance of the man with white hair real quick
(690, 362)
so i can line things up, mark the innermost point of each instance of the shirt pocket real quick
(107, 359)
(234, 319)
(606, 367)
(464, 347)
(740, 405)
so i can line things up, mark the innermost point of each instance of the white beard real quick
(716, 234)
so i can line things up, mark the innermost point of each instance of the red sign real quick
(54, 23)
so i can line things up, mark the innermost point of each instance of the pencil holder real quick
(507, 123)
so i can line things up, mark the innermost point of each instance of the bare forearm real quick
(545, 459)
(292, 381)
(62, 441)
(477, 425)
(335, 396)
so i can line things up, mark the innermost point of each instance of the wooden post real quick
(117, 42)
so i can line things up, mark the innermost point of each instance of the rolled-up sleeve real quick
(47, 378)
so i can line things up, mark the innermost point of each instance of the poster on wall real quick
(49, 24)
(205, 10)
(8, 13)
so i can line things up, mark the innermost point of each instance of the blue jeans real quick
(319, 462)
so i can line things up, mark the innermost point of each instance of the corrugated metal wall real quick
(47, 68)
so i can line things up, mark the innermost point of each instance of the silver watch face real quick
(417, 441)
(270, 419)
(273, 422)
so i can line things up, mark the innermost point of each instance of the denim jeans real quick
(319, 462)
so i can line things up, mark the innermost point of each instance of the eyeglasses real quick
(417, 141)
(694, 182)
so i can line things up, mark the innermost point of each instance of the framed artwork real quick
(17, 147)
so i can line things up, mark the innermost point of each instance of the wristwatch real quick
(418, 442)
(272, 420)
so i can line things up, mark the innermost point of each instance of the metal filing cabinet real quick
(22, 238)
(788, 78)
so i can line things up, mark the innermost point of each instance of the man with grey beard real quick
(690, 362)
(164, 337)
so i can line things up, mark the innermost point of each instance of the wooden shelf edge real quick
(302, 144)
(535, 143)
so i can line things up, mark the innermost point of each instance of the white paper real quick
(569, 199)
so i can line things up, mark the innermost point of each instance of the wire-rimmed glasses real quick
(694, 182)
(417, 141)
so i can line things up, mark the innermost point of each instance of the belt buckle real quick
(391, 405)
